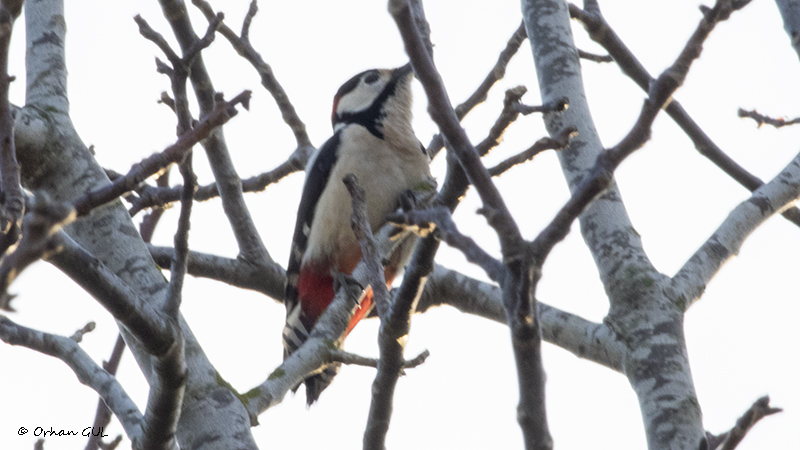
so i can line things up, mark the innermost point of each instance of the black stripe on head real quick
(371, 117)
(351, 84)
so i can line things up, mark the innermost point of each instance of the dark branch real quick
(102, 416)
(446, 230)
(359, 221)
(595, 58)
(762, 119)
(150, 196)
(545, 143)
(479, 96)
(245, 49)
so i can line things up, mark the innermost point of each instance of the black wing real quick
(316, 179)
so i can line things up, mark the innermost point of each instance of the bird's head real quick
(375, 98)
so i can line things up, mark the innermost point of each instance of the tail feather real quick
(317, 383)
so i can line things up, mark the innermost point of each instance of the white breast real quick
(383, 171)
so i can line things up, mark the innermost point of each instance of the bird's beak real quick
(402, 71)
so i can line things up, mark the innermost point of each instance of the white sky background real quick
(742, 336)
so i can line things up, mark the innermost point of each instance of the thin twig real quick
(479, 96)
(545, 143)
(762, 119)
(731, 439)
(221, 114)
(358, 360)
(446, 230)
(595, 58)
(162, 196)
(102, 415)
(359, 220)
(245, 49)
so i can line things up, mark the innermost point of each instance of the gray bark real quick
(642, 314)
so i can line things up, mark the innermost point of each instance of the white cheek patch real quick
(359, 98)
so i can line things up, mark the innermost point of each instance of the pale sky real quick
(742, 335)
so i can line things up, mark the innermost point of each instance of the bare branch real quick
(600, 31)
(221, 114)
(595, 58)
(371, 258)
(179, 262)
(791, 21)
(731, 439)
(165, 396)
(251, 247)
(161, 196)
(660, 93)
(517, 295)
(545, 143)
(773, 197)
(762, 119)
(593, 341)
(446, 230)
(245, 49)
(102, 416)
(443, 114)
(312, 356)
(78, 335)
(87, 371)
(269, 280)
(479, 96)
(357, 360)
(141, 317)
(392, 337)
(148, 224)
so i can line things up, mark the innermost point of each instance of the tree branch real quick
(516, 293)
(245, 49)
(479, 96)
(141, 317)
(312, 356)
(102, 416)
(762, 119)
(731, 439)
(238, 272)
(251, 247)
(87, 371)
(221, 114)
(775, 196)
(151, 196)
(602, 33)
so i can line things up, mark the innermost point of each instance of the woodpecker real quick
(372, 139)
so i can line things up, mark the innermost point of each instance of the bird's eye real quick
(371, 78)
